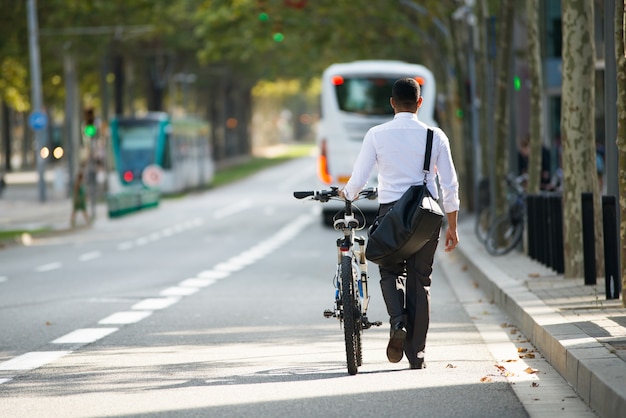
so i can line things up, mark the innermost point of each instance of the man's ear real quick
(392, 103)
(419, 102)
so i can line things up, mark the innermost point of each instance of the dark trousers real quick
(410, 303)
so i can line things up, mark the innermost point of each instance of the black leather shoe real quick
(395, 347)
(419, 364)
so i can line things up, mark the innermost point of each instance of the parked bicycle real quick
(505, 233)
(350, 280)
(483, 217)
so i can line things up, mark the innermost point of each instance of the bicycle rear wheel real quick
(504, 235)
(350, 317)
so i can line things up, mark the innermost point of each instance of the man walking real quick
(398, 148)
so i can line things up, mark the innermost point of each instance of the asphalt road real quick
(211, 305)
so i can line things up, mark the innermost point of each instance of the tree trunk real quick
(482, 78)
(501, 111)
(620, 58)
(536, 102)
(578, 134)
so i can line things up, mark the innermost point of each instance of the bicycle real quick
(505, 233)
(483, 219)
(350, 280)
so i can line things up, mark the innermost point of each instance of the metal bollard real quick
(611, 247)
(589, 241)
(556, 232)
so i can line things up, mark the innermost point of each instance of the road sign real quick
(152, 175)
(38, 121)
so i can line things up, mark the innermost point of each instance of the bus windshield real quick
(364, 95)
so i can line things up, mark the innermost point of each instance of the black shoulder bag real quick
(409, 224)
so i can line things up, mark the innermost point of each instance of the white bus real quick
(355, 97)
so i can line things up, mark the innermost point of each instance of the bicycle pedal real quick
(328, 313)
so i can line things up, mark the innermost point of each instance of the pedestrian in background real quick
(398, 148)
(79, 200)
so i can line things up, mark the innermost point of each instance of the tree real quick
(536, 102)
(577, 133)
(501, 111)
(620, 58)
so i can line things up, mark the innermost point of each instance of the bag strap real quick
(429, 148)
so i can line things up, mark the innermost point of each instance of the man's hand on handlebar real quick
(343, 195)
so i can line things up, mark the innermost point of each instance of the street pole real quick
(36, 96)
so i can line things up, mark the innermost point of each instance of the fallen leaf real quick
(48, 323)
(530, 370)
(504, 371)
(529, 355)
(513, 331)
(464, 268)
(510, 360)
(486, 379)
(534, 275)
(534, 384)
(522, 349)
(450, 366)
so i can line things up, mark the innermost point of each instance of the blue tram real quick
(173, 155)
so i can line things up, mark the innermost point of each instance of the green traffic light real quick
(90, 130)
(517, 83)
(279, 37)
(263, 17)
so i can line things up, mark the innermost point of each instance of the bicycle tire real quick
(504, 235)
(483, 220)
(350, 327)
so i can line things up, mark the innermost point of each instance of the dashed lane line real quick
(84, 336)
(49, 267)
(90, 256)
(125, 318)
(32, 360)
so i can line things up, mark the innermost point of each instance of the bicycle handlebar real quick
(325, 195)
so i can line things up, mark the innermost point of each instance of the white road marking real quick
(228, 266)
(5, 379)
(232, 209)
(125, 246)
(90, 256)
(84, 335)
(154, 304)
(49, 267)
(32, 360)
(197, 282)
(124, 318)
(179, 291)
(213, 274)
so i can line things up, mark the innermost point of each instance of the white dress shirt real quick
(397, 148)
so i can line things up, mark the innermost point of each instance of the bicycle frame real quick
(351, 279)
(346, 247)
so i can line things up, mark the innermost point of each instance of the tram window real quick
(167, 153)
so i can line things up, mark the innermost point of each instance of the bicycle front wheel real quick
(350, 317)
(504, 235)
(483, 220)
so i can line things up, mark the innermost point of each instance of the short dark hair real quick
(406, 92)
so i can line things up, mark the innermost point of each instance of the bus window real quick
(364, 95)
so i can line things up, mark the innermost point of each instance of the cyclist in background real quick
(397, 148)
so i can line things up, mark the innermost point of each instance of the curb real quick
(596, 373)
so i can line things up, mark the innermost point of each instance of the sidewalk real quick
(21, 208)
(579, 332)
